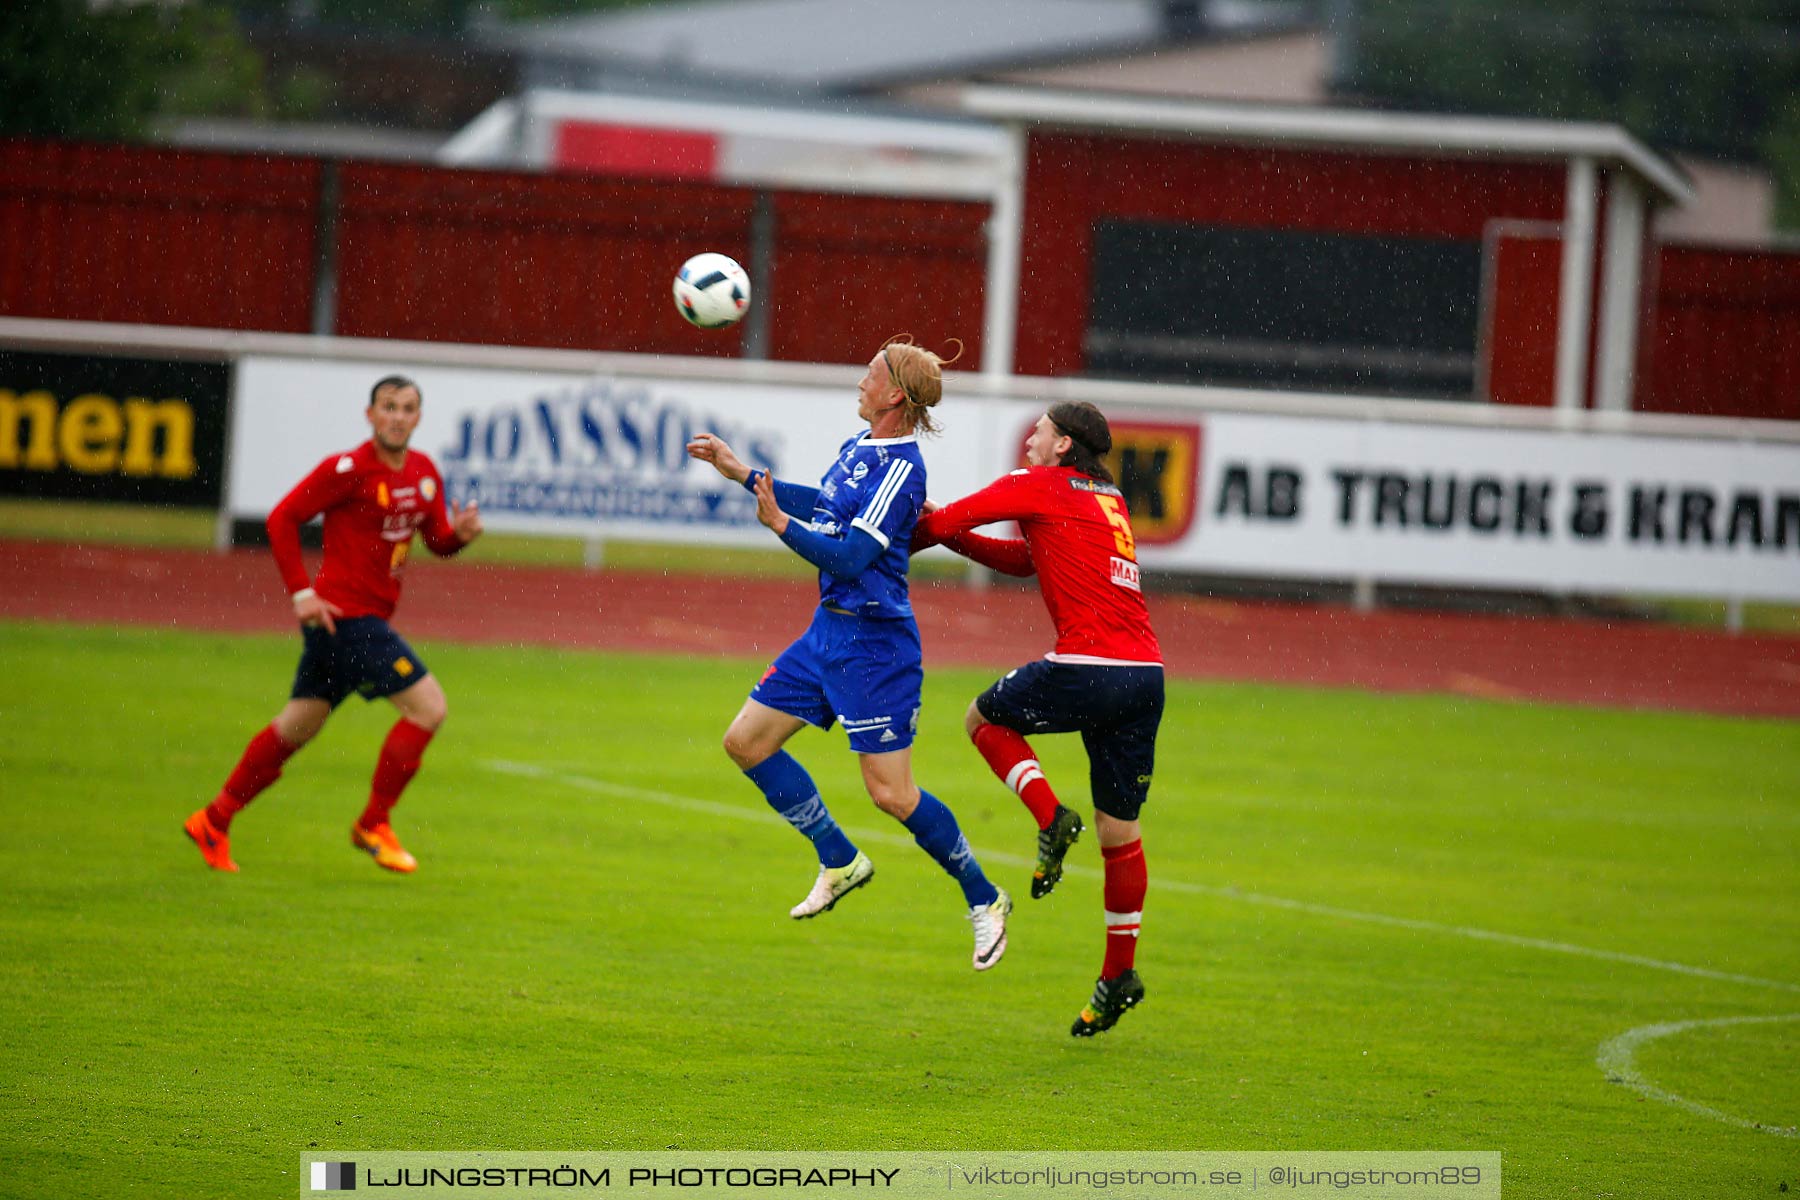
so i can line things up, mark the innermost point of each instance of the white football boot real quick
(989, 922)
(832, 885)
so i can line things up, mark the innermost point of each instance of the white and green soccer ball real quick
(712, 291)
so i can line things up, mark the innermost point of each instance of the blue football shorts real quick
(364, 656)
(863, 671)
(1115, 709)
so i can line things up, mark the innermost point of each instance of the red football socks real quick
(256, 770)
(1126, 882)
(1009, 756)
(401, 754)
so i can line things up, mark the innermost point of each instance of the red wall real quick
(515, 259)
(131, 234)
(1071, 181)
(1520, 347)
(1725, 334)
(848, 276)
(161, 237)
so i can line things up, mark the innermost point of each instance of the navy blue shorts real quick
(1115, 709)
(365, 656)
(863, 671)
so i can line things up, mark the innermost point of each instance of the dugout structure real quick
(1331, 250)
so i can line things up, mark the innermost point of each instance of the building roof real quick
(840, 44)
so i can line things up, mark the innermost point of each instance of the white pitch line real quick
(760, 815)
(1617, 1060)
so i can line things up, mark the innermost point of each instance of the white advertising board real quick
(1317, 498)
(1211, 492)
(573, 454)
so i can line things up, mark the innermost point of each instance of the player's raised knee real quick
(741, 748)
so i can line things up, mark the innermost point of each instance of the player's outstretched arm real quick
(845, 557)
(1009, 556)
(795, 499)
(711, 448)
(953, 524)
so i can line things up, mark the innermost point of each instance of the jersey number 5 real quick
(1115, 516)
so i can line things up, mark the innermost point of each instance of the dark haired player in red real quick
(1104, 679)
(374, 498)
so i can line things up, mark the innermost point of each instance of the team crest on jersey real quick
(857, 474)
(428, 489)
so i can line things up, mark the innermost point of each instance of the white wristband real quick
(304, 594)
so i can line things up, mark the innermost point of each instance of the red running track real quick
(1572, 661)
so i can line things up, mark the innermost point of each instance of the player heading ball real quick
(859, 661)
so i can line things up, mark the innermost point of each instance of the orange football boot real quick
(381, 844)
(215, 847)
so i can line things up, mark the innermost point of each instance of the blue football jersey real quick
(876, 485)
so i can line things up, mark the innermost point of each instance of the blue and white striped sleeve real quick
(891, 508)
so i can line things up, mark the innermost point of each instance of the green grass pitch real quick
(1375, 922)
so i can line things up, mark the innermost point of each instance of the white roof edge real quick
(1432, 134)
(486, 139)
(952, 134)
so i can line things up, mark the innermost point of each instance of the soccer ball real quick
(711, 291)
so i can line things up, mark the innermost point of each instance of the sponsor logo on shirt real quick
(1125, 573)
(1082, 483)
(344, 463)
(399, 527)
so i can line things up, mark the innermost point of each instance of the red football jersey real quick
(1078, 540)
(371, 513)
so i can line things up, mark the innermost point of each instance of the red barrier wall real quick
(141, 235)
(144, 235)
(519, 259)
(850, 272)
(1725, 334)
(123, 233)
(1520, 347)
